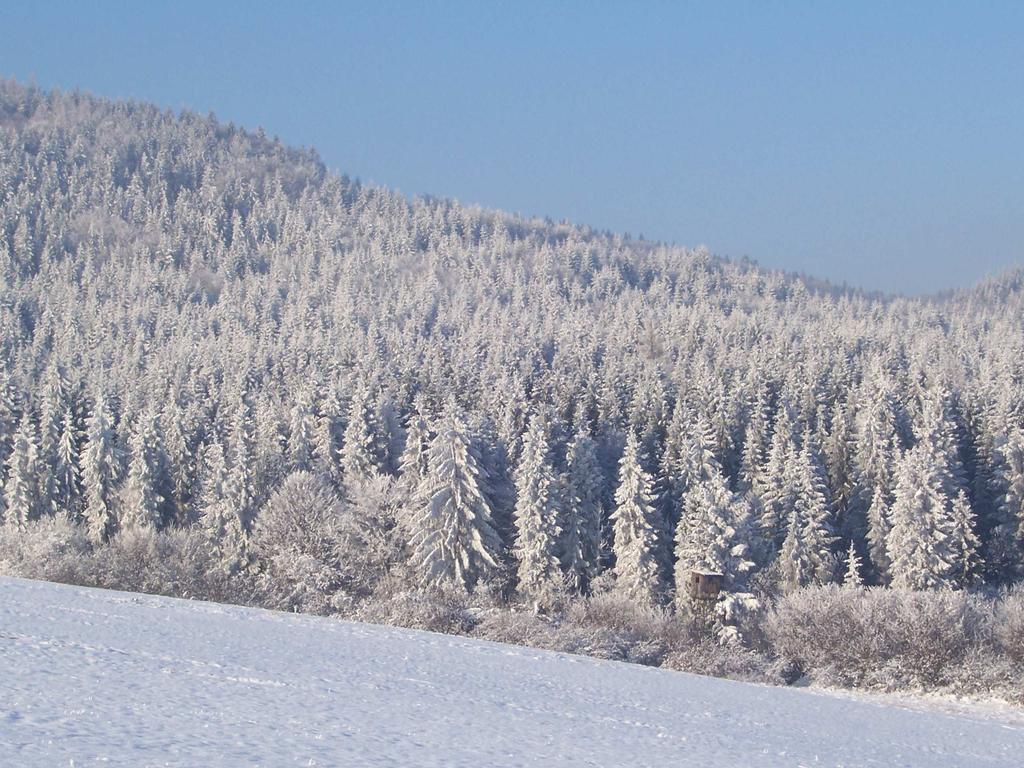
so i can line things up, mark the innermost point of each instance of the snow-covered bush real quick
(299, 539)
(175, 562)
(52, 548)
(705, 656)
(738, 619)
(437, 609)
(1008, 624)
(881, 638)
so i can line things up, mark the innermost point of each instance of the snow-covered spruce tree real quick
(879, 527)
(363, 450)
(837, 452)
(271, 446)
(302, 435)
(1007, 538)
(328, 437)
(8, 418)
(215, 509)
(965, 547)
(876, 447)
(919, 544)
(101, 471)
(454, 540)
(54, 403)
(852, 576)
(635, 530)
(536, 518)
(415, 463)
(714, 534)
(690, 460)
(21, 494)
(756, 442)
(67, 470)
(219, 517)
(241, 486)
(581, 516)
(938, 433)
(142, 498)
(392, 435)
(775, 486)
(500, 489)
(181, 463)
(806, 556)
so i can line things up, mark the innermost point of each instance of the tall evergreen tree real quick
(581, 528)
(101, 471)
(714, 535)
(454, 537)
(919, 544)
(635, 529)
(21, 487)
(536, 518)
(143, 499)
(67, 471)
(364, 451)
(806, 554)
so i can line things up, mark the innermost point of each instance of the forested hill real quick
(191, 314)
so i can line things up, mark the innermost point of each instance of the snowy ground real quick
(92, 677)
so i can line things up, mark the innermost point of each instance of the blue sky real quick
(878, 144)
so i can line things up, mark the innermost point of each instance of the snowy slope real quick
(93, 677)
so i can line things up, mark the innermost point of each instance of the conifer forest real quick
(229, 373)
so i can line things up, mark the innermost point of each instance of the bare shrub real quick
(433, 610)
(1008, 624)
(881, 638)
(52, 549)
(704, 656)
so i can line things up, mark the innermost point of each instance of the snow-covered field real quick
(92, 677)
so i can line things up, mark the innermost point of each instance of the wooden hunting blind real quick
(705, 585)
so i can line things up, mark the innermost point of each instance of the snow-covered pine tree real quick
(635, 529)
(581, 526)
(21, 494)
(852, 577)
(774, 485)
(142, 500)
(919, 543)
(302, 435)
(241, 475)
(879, 527)
(328, 438)
(454, 540)
(806, 555)
(67, 471)
(536, 518)
(1007, 538)
(101, 470)
(965, 548)
(415, 458)
(363, 450)
(714, 534)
